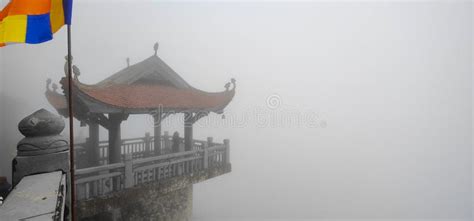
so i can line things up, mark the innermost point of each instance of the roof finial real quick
(66, 65)
(76, 71)
(227, 86)
(156, 48)
(48, 82)
(128, 62)
(55, 87)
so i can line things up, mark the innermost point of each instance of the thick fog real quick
(342, 110)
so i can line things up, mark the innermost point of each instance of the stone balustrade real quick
(139, 147)
(138, 167)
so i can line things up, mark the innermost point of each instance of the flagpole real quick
(71, 124)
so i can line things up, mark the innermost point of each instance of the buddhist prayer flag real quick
(33, 21)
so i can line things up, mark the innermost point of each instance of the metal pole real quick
(71, 124)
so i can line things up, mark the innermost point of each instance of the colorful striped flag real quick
(33, 21)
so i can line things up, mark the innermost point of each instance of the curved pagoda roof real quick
(140, 88)
(152, 70)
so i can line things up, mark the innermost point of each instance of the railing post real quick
(128, 176)
(166, 141)
(81, 191)
(205, 159)
(87, 144)
(147, 144)
(209, 141)
(227, 151)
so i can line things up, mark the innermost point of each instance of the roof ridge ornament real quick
(51, 87)
(155, 47)
(227, 86)
(65, 65)
(48, 82)
(233, 81)
(55, 87)
(75, 70)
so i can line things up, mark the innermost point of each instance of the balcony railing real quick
(139, 148)
(138, 167)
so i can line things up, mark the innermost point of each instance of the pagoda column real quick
(157, 133)
(188, 131)
(93, 145)
(115, 138)
(115, 144)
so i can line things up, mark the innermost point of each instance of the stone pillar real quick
(115, 138)
(92, 147)
(128, 176)
(147, 141)
(188, 132)
(157, 133)
(42, 150)
(115, 144)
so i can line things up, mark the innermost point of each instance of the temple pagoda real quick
(148, 87)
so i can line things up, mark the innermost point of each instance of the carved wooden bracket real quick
(194, 117)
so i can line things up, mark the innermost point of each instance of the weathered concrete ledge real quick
(37, 197)
(169, 199)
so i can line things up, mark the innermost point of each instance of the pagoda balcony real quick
(139, 147)
(141, 165)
